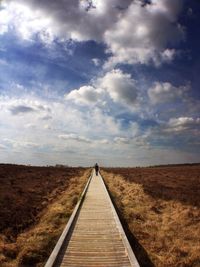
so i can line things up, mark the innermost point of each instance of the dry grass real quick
(33, 245)
(25, 191)
(166, 222)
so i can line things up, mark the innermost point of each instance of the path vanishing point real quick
(93, 236)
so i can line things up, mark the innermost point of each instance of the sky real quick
(108, 81)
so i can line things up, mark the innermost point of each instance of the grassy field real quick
(35, 204)
(161, 207)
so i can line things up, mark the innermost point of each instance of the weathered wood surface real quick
(97, 238)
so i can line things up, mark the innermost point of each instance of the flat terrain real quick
(161, 207)
(35, 204)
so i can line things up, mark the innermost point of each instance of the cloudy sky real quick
(112, 81)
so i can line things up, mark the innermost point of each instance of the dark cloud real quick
(133, 32)
(79, 20)
(20, 109)
(143, 33)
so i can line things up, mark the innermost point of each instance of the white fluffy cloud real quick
(134, 32)
(79, 20)
(95, 119)
(80, 136)
(25, 22)
(85, 95)
(142, 34)
(119, 86)
(166, 92)
(29, 115)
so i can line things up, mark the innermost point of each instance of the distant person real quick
(96, 168)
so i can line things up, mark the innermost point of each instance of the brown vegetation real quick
(162, 209)
(35, 204)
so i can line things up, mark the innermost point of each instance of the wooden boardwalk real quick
(96, 237)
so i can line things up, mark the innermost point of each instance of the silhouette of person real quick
(96, 168)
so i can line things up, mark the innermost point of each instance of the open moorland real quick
(35, 204)
(160, 207)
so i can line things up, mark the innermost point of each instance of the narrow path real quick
(96, 240)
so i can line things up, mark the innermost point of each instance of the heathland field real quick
(35, 204)
(161, 208)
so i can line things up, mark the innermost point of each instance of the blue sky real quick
(115, 82)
